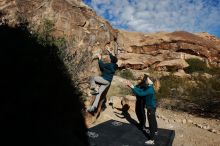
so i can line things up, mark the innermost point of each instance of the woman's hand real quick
(99, 56)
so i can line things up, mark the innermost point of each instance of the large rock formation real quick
(138, 50)
(73, 24)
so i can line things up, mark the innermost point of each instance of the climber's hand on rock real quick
(108, 49)
(99, 56)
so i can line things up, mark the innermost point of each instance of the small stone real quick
(178, 120)
(171, 126)
(212, 130)
(184, 121)
(194, 123)
(206, 127)
(199, 125)
(171, 121)
(169, 108)
(189, 121)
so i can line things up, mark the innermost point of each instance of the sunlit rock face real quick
(139, 50)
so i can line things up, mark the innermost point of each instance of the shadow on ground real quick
(114, 133)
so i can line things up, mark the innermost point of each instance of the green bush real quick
(214, 70)
(44, 37)
(195, 88)
(215, 83)
(169, 86)
(75, 64)
(198, 94)
(196, 65)
(60, 43)
(48, 26)
(126, 73)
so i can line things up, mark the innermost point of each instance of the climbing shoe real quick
(94, 92)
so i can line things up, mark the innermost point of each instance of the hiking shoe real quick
(146, 130)
(92, 88)
(91, 109)
(149, 142)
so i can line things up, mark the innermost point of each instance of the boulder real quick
(74, 26)
(178, 45)
(176, 64)
(181, 73)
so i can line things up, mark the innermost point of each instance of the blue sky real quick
(160, 15)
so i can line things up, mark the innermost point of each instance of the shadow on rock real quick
(39, 103)
(125, 115)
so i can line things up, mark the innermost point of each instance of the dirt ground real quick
(189, 130)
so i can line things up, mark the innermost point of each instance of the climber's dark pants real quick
(152, 122)
(140, 112)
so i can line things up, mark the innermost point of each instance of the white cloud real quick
(157, 15)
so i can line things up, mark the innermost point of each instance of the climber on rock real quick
(108, 71)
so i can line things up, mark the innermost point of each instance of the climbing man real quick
(108, 70)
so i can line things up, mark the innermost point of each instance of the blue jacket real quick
(148, 93)
(108, 69)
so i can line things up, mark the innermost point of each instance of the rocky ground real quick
(189, 129)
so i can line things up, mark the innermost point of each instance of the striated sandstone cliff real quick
(162, 46)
